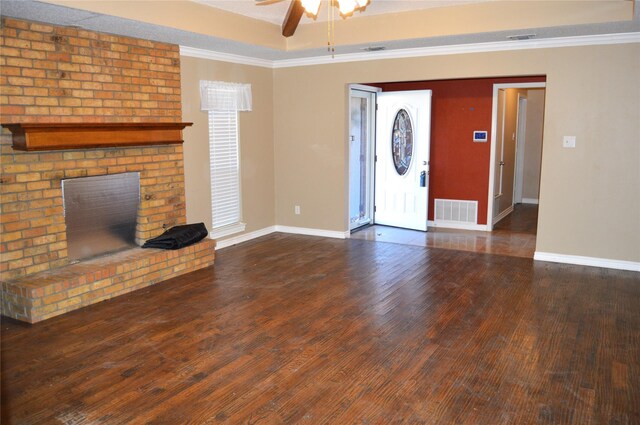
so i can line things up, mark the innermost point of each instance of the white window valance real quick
(222, 96)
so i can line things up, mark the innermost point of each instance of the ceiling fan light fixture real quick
(311, 6)
(347, 6)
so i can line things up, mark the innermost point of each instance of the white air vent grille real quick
(450, 211)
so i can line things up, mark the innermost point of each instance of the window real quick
(224, 162)
(402, 142)
(223, 101)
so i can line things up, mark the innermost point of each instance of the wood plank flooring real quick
(301, 330)
(523, 219)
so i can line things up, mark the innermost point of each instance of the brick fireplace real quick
(59, 75)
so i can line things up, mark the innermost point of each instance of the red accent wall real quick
(459, 167)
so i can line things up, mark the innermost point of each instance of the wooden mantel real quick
(42, 137)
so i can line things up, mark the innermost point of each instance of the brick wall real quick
(58, 74)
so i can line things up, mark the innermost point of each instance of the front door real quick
(402, 159)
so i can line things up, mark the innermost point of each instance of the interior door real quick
(403, 132)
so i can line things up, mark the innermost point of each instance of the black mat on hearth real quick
(178, 237)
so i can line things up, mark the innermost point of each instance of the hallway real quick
(515, 235)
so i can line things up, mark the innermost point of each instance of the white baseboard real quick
(220, 244)
(313, 232)
(456, 225)
(244, 237)
(502, 215)
(587, 261)
(530, 201)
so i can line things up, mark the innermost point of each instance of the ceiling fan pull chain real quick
(331, 28)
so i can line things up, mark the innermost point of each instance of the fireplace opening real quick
(100, 213)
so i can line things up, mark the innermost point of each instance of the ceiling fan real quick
(298, 7)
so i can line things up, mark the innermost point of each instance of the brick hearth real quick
(51, 74)
(51, 293)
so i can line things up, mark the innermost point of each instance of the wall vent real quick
(453, 211)
(521, 36)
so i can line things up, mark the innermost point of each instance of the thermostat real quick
(480, 136)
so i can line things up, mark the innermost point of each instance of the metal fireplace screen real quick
(100, 213)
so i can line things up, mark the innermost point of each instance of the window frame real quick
(224, 140)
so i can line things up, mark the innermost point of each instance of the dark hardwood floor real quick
(301, 330)
(523, 219)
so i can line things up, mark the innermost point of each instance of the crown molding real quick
(498, 46)
(224, 57)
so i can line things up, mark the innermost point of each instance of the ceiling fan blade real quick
(292, 19)
(266, 2)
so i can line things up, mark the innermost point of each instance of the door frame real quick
(371, 147)
(521, 140)
(494, 128)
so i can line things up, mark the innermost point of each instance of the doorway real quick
(515, 164)
(461, 164)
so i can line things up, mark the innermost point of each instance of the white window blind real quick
(223, 101)
(225, 171)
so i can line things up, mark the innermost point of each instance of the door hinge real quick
(375, 209)
(375, 158)
(376, 106)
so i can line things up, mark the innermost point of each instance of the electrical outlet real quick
(296, 209)
(569, 142)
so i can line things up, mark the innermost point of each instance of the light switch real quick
(569, 142)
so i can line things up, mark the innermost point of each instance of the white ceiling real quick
(274, 11)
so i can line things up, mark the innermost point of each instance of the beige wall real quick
(256, 142)
(294, 150)
(588, 195)
(533, 144)
(589, 198)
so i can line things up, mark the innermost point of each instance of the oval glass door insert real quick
(402, 142)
